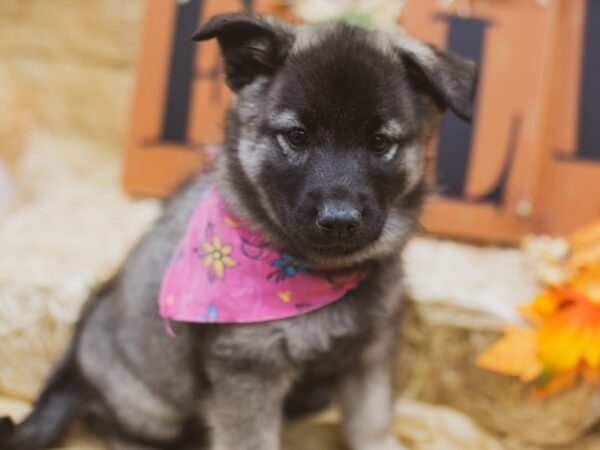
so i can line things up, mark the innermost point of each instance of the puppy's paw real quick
(387, 443)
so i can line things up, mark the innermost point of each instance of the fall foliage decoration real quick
(561, 341)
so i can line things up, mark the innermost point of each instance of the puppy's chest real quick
(330, 336)
(336, 331)
(347, 326)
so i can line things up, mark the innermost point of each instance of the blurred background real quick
(105, 105)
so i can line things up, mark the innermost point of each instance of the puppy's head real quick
(325, 140)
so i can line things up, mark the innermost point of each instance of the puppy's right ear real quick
(450, 79)
(252, 45)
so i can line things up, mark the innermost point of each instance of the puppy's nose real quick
(339, 217)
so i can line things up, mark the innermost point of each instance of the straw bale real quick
(72, 62)
(95, 32)
(69, 230)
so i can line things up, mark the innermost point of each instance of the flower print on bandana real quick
(287, 267)
(224, 272)
(255, 249)
(216, 257)
(211, 316)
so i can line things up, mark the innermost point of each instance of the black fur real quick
(250, 48)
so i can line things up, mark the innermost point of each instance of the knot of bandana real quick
(222, 272)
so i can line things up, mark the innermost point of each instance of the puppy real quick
(324, 158)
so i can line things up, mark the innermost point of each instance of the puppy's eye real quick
(380, 144)
(297, 137)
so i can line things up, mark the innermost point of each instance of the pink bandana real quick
(222, 272)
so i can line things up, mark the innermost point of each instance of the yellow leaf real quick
(571, 336)
(516, 354)
(546, 303)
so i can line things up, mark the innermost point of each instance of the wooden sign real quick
(504, 176)
(486, 171)
(569, 190)
(180, 96)
(527, 163)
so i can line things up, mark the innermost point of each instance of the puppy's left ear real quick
(252, 45)
(450, 79)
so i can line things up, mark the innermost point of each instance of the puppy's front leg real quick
(368, 396)
(245, 407)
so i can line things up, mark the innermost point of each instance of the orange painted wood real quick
(151, 167)
(514, 80)
(569, 191)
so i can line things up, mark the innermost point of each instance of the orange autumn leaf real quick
(515, 354)
(544, 305)
(554, 382)
(571, 335)
(590, 375)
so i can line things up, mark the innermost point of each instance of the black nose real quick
(339, 217)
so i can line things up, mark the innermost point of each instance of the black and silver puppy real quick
(327, 120)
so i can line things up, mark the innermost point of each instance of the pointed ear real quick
(450, 79)
(251, 45)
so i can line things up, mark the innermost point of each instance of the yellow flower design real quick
(285, 296)
(218, 256)
(230, 222)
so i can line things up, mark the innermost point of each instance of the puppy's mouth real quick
(335, 250)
